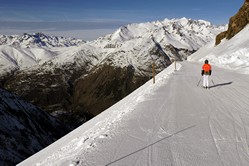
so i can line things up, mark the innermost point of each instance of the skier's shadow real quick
(223, 84)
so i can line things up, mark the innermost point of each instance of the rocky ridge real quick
(236, 23)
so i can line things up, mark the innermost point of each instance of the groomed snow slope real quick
(172, 122)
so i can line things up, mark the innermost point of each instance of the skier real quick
(206, 72)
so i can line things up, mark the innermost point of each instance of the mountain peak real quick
(170, 31)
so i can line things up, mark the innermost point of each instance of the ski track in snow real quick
(173, 122)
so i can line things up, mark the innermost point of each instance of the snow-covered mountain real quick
(173, 122)
(131, 44)
(82, 75)
(21, 51)
(138, 44)
(39, 40)
(24, 129)
(180, 33)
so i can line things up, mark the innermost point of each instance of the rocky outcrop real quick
(236, 23)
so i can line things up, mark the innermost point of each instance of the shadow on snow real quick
(219, 85)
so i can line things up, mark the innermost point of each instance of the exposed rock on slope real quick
(236, 23)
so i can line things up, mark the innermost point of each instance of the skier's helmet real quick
(206, 61)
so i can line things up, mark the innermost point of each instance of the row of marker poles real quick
(154, 72)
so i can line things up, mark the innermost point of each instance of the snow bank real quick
(231, 54)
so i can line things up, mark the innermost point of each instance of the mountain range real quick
(21, 52)
(68, 77)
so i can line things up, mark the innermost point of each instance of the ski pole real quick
(213, 82)
(199, 81)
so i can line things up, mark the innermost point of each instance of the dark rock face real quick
(24, 129)
(103, 87)
(236, 23)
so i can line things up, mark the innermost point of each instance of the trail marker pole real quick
(153, 72)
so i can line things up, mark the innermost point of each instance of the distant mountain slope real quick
(39, 40)
(180, 33)
(159, 41)
(21, 51)
(24, 129)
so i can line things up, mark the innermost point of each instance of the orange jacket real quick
(206, 67)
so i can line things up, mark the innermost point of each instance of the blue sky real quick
(88, 19)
